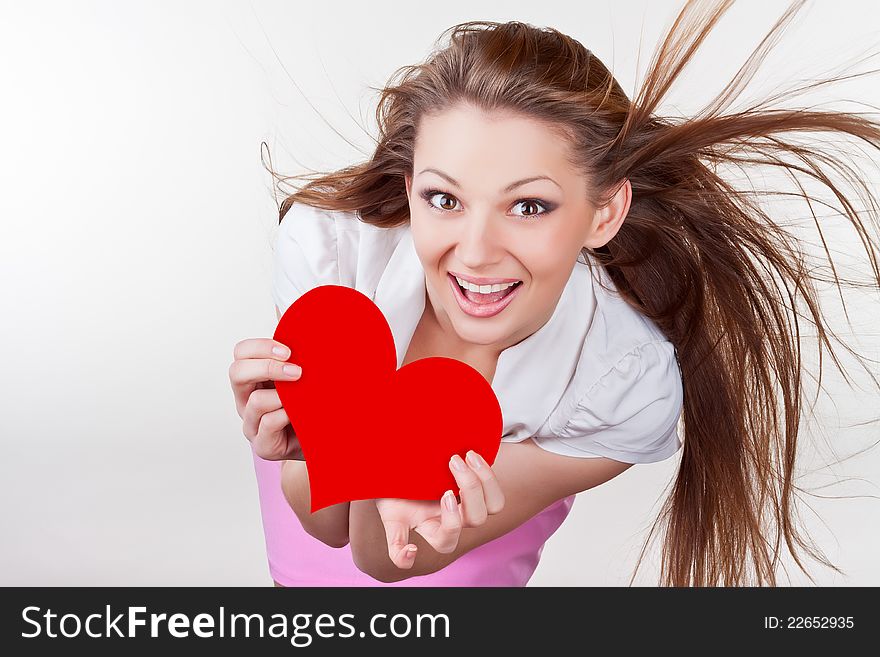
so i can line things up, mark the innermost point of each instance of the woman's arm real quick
(330, 524)
(531, 479)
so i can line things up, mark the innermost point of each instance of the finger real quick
(492, 493)
(271, 441)
(400, 550)
(252, 374)
(245, 376)
(443, 534)
(449, 530)
(259, 403)
(470, 487)
(260, 348)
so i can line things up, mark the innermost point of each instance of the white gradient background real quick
(136, 230)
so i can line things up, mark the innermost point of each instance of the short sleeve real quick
(630, 413)
(306, 254)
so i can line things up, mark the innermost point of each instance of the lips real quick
(483, 309)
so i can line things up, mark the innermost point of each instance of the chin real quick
(483, 338)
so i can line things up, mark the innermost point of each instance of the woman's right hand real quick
(257, 364)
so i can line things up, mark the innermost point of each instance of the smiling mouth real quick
(483, 304)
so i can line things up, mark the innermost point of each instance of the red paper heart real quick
(368, 430)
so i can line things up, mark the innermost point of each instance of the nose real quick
(480, 246)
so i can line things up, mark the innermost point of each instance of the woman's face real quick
(472, 215)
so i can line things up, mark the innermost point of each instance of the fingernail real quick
(449, 500)
(292, 370)
(457, 463)
(281, 352)
(473, 459)
(411, 550)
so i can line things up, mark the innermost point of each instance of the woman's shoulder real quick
(626, 394)
(316, 246)
(339, 232)
(617, 328)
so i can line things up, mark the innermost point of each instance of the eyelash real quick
(428, 194)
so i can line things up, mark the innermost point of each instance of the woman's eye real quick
(534, 204)
(443, 206)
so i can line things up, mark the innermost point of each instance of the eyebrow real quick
(509, 188)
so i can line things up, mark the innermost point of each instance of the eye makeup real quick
(428, 194)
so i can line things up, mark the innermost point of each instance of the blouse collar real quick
(530, 376)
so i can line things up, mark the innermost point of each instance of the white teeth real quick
(484, 289)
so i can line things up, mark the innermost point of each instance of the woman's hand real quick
(257, 364)
(440, 523)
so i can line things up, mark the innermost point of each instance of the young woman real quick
(522, 214)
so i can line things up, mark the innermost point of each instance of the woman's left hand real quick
(440, 522)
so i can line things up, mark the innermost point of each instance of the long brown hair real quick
(697, 255)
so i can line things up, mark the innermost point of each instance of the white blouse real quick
(598, 379)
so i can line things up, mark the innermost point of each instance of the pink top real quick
(298, 559)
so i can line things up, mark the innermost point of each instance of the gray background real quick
(137, 226)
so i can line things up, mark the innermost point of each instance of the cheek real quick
(428, 251)
(548, 273)
(539, 259)
(548, 256)
(543, 272)
(430, 242)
